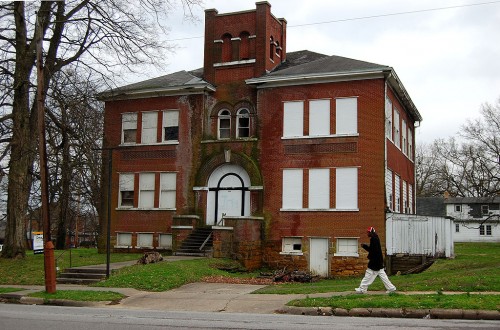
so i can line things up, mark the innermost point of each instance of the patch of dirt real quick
(235, 280)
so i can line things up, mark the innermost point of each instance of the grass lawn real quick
(79, 295)
(30, 270)
(476, 267)
(394, 300)
(167, 275)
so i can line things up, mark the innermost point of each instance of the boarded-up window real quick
(145, 240)
(346, 188)
(319, 117)
(388, 189)
(347, 246)
(291, 245)
(167, 190)
(397, 193)
(319, 188)
(124, 239)
(165, 241)
(292, 188)
(149, 127)
(397, 131)
(388, 118)
(346, 116)
(293, 119)
(146, 190)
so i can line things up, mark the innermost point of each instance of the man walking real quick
(375, 264)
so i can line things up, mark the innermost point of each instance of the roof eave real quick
(302, 79)
(399, 88)
(156, 92)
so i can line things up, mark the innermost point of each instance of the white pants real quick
(370, 276)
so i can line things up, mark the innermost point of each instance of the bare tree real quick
(76, 34)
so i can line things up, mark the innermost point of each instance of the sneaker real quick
(391, 291)
(359, 291)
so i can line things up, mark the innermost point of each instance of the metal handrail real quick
(206, 240)
(64, 251)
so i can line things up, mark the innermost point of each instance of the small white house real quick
(476, 219)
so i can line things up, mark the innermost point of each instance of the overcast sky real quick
(448, 59)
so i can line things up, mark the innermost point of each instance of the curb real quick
(435, 313)
(14, 298)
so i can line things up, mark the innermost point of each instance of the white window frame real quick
(388, 118)
(170, 118)
(485, 209)
(346, 188)
(240, 115)
(293, 188)
(129, 123)
(126, 184)
(147, 190)
(346, 117)
(145, 240)
(397, 130)
(223, 115)
(149, 132)
(293, 119)
(388, 189)
(347, 246)
(404, 141)
(410, 198)
(458, 208)
(165, 241)
(319, 188)
(457, 228)
(397, 193)
(168, 193)
(405, 198)
(319, 117)
(121, 237)
(289, 245)
(410, 143)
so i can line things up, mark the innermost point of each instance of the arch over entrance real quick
(228, 193)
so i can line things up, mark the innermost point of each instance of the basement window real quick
(123, 240)
(165, 241)
(291, 245)
(347, 247)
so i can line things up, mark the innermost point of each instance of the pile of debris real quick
(284, 275)
(150, 258)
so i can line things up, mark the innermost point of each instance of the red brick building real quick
(286, 158)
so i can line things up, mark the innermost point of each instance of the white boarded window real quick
(347, 116)
(319, 188)
(129, 128)
(292, 188)
(167, 190)
(165, 241)
(145, 240)
(397, 193)
(123, 239)
(291, 245)
(293, 119)
(346, 188)
(397, 132)
(149, 127)
(170, 125)
(347, 247)
(410, 198)
(388, 189)
(146, 190)
(319, 117)
(388, 118)
(126, 196)
(410, 143)
(404, 141)
(405, 198)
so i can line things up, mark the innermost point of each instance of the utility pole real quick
(49, 261)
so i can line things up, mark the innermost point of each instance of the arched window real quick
(243, 123)
(271, 48)
(244, 46)
(278, 49)
(226, 48)
(224, 128)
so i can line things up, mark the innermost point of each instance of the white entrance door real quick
(228, 193)
(318, 259)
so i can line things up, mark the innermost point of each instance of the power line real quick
(372, 16)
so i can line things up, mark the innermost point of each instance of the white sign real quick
(37, 243)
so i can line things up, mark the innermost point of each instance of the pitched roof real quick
(298, 67)
(431, 206)
(473, 200)
(173, 82)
